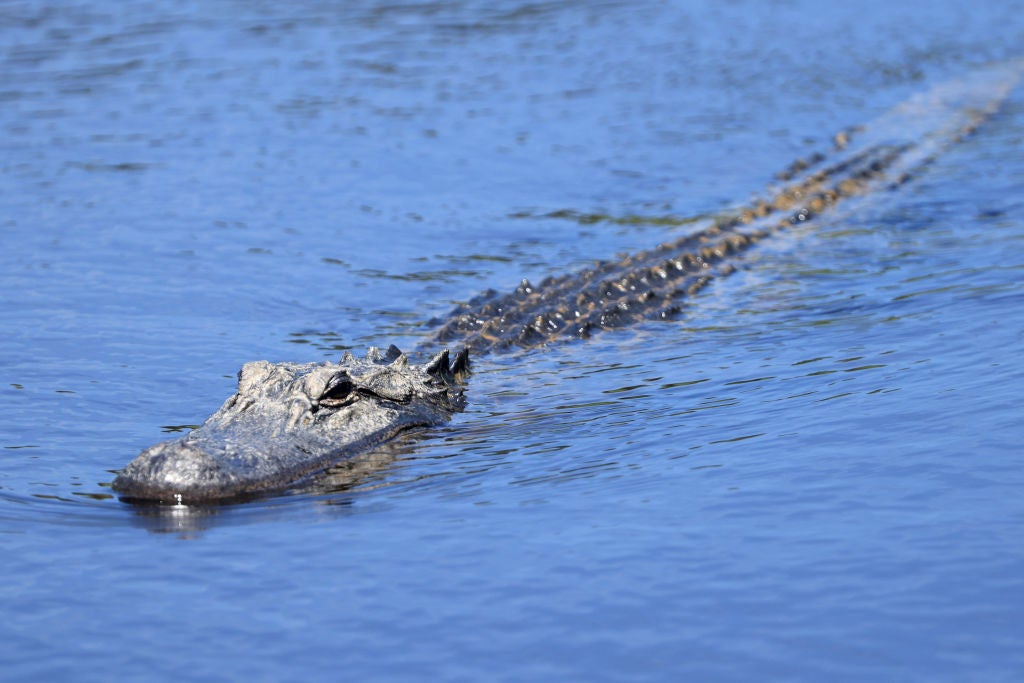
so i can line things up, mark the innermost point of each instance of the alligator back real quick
(288, 421)
(652, 284)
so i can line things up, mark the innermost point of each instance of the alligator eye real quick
(338, 391)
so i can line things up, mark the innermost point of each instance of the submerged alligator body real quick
(288, 421)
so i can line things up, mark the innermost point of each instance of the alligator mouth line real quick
(288, 421)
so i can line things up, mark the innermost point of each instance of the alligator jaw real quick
(288, 421)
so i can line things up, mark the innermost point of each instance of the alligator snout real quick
(172, 471)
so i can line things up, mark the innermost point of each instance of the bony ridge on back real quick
(289, 420)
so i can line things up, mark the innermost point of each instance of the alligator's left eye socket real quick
(338, 391)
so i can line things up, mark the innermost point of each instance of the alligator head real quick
(289, 420)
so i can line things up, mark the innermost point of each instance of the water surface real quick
(814, 473)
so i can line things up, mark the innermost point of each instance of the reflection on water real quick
(184, 520)
(591, 218)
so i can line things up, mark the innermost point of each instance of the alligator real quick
(287, 421)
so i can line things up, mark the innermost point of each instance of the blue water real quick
(814, 474)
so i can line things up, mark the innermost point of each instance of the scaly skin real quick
(651, 284)
(288, 421)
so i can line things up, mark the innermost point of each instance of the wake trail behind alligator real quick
(653, 284)
(290, 421)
